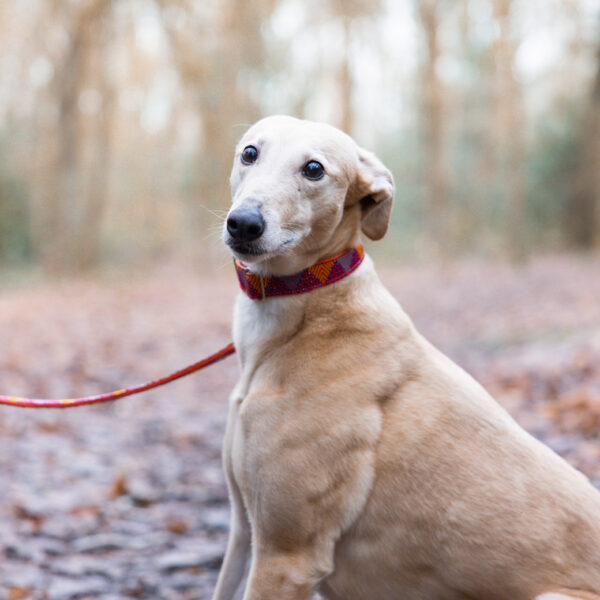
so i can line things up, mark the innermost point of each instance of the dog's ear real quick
(375, 191)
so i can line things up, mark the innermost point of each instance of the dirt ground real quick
(127, 500)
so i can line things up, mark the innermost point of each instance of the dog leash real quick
(68, 402)
(321, 274)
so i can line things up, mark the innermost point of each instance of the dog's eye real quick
(313, 170)
(249, 155)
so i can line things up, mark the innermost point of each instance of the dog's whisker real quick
(212, 235)
(225, 263)
(220, 214)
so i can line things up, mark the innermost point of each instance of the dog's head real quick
(303, 191)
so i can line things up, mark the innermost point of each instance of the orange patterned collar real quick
(323, 273)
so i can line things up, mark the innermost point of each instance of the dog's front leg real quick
(237, 554)
(288, 575)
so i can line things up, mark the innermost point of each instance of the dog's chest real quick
(257, 324)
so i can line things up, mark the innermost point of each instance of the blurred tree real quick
(87, 233)
(65, 210)
(347, 12)
(583, 208)
(508, 129)
(468, 152)
(434, 122)
(344, 78)
(15, 242)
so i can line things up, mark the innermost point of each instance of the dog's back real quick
(465, 503)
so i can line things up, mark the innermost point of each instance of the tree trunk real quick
(583, 210)
(508, 123)
(436, 179)
(89, 228)
(63, 197)
(345, 82)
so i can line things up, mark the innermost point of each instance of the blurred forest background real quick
(118, 119)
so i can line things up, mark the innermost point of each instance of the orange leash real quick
(66, 402)
(323, 273)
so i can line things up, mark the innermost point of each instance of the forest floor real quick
(127, 500)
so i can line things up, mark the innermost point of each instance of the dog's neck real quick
(321, 274)
(261, 326)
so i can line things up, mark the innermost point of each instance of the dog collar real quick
(323, 273)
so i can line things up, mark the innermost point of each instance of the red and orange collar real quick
(323, 273)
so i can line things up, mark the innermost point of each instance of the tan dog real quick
(360, 460)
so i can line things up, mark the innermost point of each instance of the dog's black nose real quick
(245, 224)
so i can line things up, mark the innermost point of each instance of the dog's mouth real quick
(245, 248)
(253, 250)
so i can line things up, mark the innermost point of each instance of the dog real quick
(361, 462)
